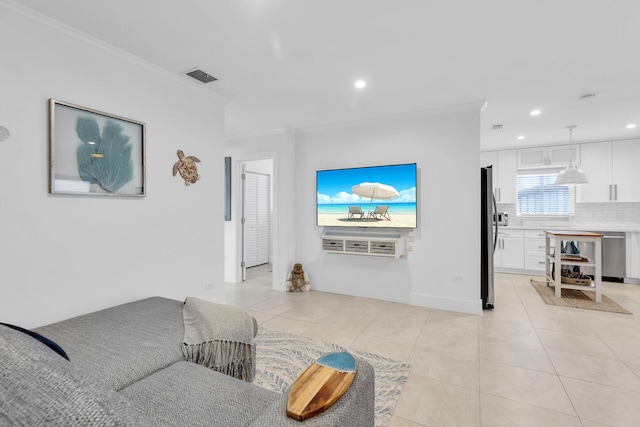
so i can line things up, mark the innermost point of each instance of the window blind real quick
(538, 196)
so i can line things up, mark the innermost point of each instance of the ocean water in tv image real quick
(391, 189)
(394, 208)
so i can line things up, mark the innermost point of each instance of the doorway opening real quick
(257, 211)
(261, 271)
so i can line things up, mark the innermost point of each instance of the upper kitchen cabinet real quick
(611, 168)
(504, 173)
(555, 155)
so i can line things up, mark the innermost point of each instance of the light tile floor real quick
(523, 364)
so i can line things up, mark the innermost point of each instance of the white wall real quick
(446, 147)
(66, 255)
(280, 146)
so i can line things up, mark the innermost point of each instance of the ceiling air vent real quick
(497, 127)
(201, 76)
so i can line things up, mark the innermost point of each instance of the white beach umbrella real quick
(375, 190)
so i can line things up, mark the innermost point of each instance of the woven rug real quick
(576, 298)
(281, 358)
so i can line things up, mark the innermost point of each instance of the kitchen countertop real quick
(596, 227)
(573, 233)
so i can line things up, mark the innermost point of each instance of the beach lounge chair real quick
(380, 212)
(353, 211)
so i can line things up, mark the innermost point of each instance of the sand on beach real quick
(397, 220)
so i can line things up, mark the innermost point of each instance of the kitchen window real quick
(537, 196)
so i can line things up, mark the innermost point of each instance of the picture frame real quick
(93, 153)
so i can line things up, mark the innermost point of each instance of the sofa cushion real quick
(44, 340)
(38, 387)
(124, 343)
(186, 393)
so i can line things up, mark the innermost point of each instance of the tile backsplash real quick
(592, 215)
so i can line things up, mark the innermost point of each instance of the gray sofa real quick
(126, 368)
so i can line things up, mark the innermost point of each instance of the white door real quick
(256, 219)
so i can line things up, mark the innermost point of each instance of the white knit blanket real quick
(219, 337)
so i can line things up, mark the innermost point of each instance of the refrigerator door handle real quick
(495, 224)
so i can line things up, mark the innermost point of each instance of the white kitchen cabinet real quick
(551, 156)
(507, 176)
(598, 166)
(626, 176)
(534, 250)
(504, 173)
(509, 253)
(611, 168)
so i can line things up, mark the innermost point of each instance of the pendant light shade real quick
(4, 133)
(572, 175)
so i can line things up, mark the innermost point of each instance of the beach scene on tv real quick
(379, 196)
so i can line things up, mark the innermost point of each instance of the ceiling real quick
(293, 63)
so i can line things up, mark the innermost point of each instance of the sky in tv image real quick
(334, 186)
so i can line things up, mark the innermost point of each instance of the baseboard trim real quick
(450, 304)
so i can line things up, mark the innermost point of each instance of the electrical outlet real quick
(457, 279)
(208, 286)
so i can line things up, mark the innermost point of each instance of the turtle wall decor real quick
(187, 167)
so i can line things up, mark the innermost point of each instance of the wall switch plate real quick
(457, 279)
(208, 286)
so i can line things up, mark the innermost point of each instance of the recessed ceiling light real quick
(535, 112)
(360, 84)
(521, 137)
(631, 126)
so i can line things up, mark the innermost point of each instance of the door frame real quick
(236, 213)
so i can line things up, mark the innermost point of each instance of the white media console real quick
(391, 245)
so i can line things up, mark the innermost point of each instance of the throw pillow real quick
(46, 341)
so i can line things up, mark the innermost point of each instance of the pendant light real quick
(572, 175)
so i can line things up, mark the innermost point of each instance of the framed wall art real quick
(94, 153)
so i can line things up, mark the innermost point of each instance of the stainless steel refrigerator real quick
(489, 236)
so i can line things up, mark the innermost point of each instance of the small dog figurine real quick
(298, 280)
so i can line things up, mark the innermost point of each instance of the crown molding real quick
(12, 8)
(247, 135)
(471, 106)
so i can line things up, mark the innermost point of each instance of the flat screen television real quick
(374, 196)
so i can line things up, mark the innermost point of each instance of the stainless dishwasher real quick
(614, 256)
